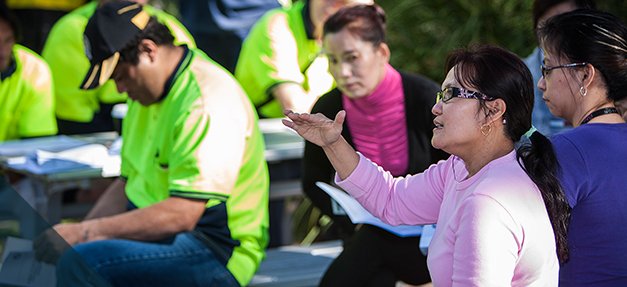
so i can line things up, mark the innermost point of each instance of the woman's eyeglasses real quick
(545, 70)
(452, 92)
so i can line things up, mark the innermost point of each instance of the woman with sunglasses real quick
(496, 206)
(584, 76)
(389, 120)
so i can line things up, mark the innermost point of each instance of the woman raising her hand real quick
(496, 206)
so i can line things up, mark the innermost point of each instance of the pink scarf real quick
(377, 123)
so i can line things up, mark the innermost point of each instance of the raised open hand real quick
(316, 128)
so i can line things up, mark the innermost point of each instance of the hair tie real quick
(530, 131)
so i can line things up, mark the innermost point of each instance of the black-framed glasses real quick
(452, 92)
(545, 70)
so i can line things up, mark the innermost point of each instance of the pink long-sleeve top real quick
(493, 228)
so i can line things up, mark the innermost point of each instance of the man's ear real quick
(148, 47)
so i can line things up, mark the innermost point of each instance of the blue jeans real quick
(180, 261)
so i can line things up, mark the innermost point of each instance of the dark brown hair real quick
(593, 37)
(365, 21)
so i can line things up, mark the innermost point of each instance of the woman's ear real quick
(384, 50)
(588, 74)
(496, 110)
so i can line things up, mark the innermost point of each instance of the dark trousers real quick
(374, 257)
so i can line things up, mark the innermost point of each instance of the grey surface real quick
(295, 266)
(282, 146)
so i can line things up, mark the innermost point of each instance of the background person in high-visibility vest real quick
(26, 101)
(280, 65)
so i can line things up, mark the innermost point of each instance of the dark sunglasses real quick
(452, 92)
(545, 70)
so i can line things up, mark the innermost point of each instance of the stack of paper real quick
(358, 214)
(89, 156)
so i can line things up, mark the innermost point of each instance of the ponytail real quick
(477, 67)
(540, 164)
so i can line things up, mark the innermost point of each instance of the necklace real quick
(599, 112)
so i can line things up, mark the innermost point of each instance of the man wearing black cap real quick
(191, 206)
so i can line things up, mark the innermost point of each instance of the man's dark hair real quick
(155, 31)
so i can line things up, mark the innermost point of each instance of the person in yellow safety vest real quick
(86, 111)
(280, 65)
(26, 101)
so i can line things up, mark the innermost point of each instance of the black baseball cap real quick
(113, 26)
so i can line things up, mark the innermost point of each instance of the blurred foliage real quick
(421, 33)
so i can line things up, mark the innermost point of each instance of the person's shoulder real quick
(589, 137)
(209, 77)
(72, 23)
(32, 70)
(30, 62)
(205, 69)
(501, 174)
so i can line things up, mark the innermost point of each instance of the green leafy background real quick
(421, 32)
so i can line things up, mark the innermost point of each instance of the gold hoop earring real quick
(485, 131)
(583, 91)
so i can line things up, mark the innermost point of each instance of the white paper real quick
(20, 268)
(358, 214)
(93, 155)
(89, 156)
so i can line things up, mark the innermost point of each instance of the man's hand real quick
(53, 242)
